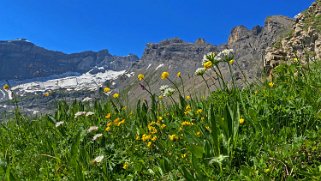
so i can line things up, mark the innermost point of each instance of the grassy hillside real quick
(268, 130)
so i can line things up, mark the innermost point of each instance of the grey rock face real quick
(20, 59)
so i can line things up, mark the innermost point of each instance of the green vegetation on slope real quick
(264, 131)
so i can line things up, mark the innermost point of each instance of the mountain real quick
(21, 59)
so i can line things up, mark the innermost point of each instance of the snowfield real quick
(85, 81)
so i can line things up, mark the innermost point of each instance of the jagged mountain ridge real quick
(21, 59)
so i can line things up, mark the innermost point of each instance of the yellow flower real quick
(146, 137)
(154, 138)
(164, 75)
(108, 116)
(178, 74)
(208, 65)
(116, 95)
(137, 137)
(125, 166)
(188, 97)
(208, 128)
(152, 130)
(107, 128)
(141, 77)
(46, 94)
(160, 97)
(106, 89)
(198, 134)
(121, 122)
(295, 60)
(184, 155)
(149, 144)
(187, 123)
(116, 121)
(124, 108)
(199, 111)
(163, 126)
(109, 124)
(271, 84)
(231, 62)
(241, 121)
(160, 118)
(173, 137)
(6, 87)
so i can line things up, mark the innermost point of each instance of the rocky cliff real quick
(21, 59)
(302, 42)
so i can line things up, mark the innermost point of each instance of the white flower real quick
(86, 99)
(59, 123)
(89, 114)
(92, 128)
(97, 136)
(200, 71)
(163, 88)
(168, 92)
(98, 159)
(80, 113)
(225, 55)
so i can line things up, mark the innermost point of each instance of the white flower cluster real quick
(166, 90)
(59, 123)
(225, 55)
(92, 128)
(97, 136)
(208, 57)
(81, 113)
(200, 71)
(98, 159)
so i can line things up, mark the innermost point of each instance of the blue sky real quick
(125, 26)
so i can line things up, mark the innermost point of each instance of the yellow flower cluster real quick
(187, 109)
(271, 84)
(140, 77)
(187, 123)
(208, 65)
(173, 137)
(116, 122)
(199, 111)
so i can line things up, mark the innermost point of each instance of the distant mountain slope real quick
(21, 59)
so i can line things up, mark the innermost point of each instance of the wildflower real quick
(46, 94)
(97, 136)
(86, 99)
(208, 65)
(164, 75)
(169, 92)
(231, 62)
(159, 118)
(121, 122)
(208, 57)
(198, 134)
(137, 137)
(208, 128)
(202, 118)
(146, 137)
(140, 77)
(106, 90)
(89, 114)
(108, 116)
(116, 95)
(173, 137)
(188, 97)
(92, 128)
(271, 84)
(6, 87)
(187, 123)
(163, 88)
(184, 155)
(98, 159)
(124, 108)
(163, 126)
(200, 71)
(149, 144)
(80, 113)
(199, 111)
(160, 97)
(108, 128)
(154, 138)
(225, 55)
(109, 124)
(152, 129)
(295, 60)
(241, 121)
(116, 121)
(178, 74)
(59, 123)
(187, 109)
(125, 166)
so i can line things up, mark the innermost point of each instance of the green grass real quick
(279, 139)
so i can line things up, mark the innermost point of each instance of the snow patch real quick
(85, 81)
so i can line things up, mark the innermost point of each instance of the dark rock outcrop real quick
(21, 59)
